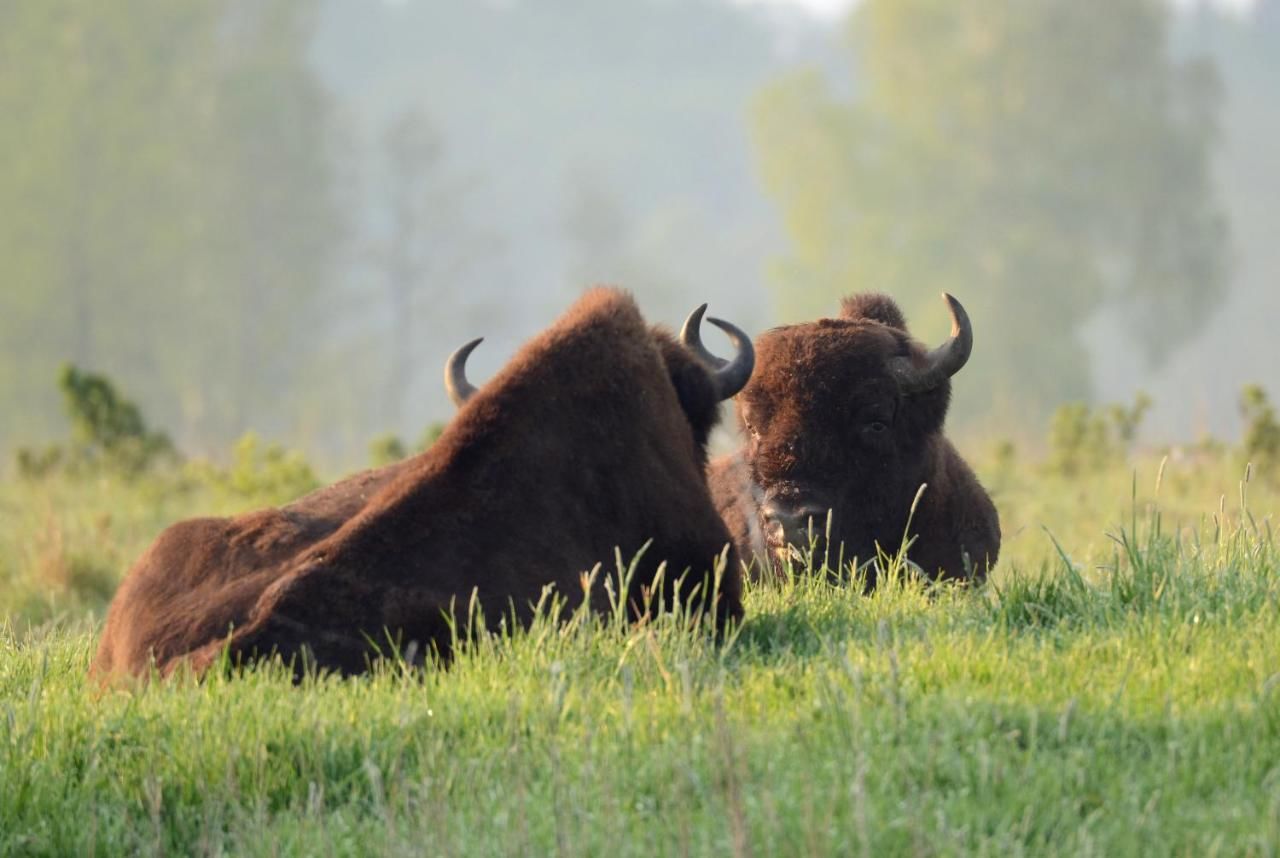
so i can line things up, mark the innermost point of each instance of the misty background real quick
(282, 215)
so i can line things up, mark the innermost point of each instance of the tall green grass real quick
(1114, 690)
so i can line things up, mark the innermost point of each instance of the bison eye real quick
(877, 426)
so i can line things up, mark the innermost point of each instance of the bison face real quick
(837, 417)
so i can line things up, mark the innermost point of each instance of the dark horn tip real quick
(734, 375)
(956, 308)
(960, 325)
(455, 374)
(944, 361)
(690, 332)
(729, 328)
(954, 354)
(466, 350)
(691, 337)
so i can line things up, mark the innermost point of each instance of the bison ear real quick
(874, 306)
(697, 394)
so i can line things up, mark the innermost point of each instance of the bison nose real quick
(797, 524)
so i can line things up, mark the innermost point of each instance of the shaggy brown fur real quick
(829, 429)
(592, 438)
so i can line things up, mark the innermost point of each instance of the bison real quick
(845, 416)
(591, 440)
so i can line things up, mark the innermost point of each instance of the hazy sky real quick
(833, 8)
(823, 8)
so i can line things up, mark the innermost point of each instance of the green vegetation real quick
(993, 143)
(1114, 690)
(266, 474)
(1262, 429)
(1125, 710)
(168, 207)
(107, 432)
(1082, 439)
(284, 214)
(386, 449)
(389, 448)
(230, 204)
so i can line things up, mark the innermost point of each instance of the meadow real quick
(1114, 689)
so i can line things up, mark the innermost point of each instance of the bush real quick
(1261, 442)
(38, 464)
(270, 474)
(386, 449)
(1085, 441)
(107, 433)
(430, 435)
(1004, 456)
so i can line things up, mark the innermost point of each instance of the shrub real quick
(1261, 442)
(270, 474)
(1085, 441)
(430, 435)
(37, 464)
(386, 449)
(107, 433)
(1004, 457)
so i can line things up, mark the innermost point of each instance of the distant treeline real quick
(284, 214)
(109, 437)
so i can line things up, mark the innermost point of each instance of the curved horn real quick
(941, 363)
(729, 376)
(455, 374)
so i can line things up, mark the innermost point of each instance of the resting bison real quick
(592, 439)
(846, 415)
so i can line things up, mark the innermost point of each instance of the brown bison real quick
(591, 440)
(845, 415)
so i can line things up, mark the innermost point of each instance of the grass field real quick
(1115, 693)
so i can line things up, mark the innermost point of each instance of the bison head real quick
(839, 419)
(700, 392)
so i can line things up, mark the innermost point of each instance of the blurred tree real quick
(423, 247)
(271, 223)
(86, 195)
(607, 244)
(1038, 159)
(107, 433)
(165, 205)
(564, 111)
(1239, 345)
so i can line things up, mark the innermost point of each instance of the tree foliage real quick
(108, 433)
(166, 208)
(1262, 430)
(1083, 440)
(1041, 160)
(424, 247)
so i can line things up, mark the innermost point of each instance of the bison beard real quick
(845, 415)
(591, 440)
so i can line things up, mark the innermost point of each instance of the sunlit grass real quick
(1118, 693)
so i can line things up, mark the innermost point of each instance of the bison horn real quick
(729, 377)
(455, 374)
(941, 363)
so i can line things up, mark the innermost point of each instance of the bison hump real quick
(873, 306)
